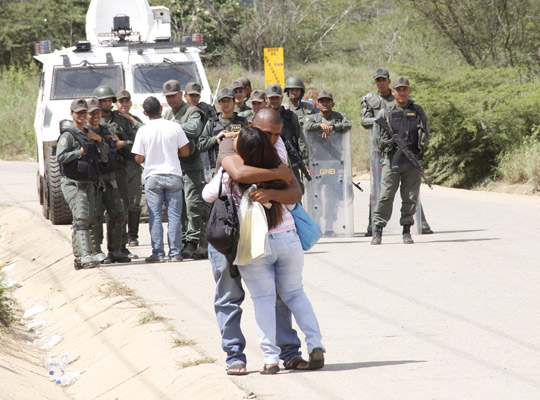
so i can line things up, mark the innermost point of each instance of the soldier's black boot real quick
(377, 235)
(407, 239)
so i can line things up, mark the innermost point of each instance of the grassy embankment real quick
(19, 90)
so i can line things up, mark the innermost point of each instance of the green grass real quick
(521, 164)
(19, 90)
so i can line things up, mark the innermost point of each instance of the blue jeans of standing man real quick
(227, 305)
(168, 189)
(280, 273)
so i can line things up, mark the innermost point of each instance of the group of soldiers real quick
(100, 174)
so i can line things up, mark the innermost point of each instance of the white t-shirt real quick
(158, 141)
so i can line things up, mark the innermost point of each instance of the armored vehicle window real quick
(149, 78)
(80, 81)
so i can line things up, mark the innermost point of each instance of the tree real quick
(301, 27)
(487, 32)
(26, 23)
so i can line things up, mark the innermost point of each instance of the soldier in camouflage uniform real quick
(190, 119)
(409, 120)
(372, 103)
(122, 133)
(247, 89)
(134, 170)
(258, 101)
(239, 97)
(328, 123)
(295, 89)
(291, 131)
(78, 155)
(227, 124)
(192, 96)
(107, 196)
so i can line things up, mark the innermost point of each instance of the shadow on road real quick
(369, 364)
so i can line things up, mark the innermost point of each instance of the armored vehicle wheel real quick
(58, 210)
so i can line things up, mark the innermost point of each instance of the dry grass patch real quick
(193, 363)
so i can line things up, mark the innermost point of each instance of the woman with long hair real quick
(281, 271)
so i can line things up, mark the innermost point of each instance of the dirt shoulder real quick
(129, 352)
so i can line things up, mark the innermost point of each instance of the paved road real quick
(455, 316)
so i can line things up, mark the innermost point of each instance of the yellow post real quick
(274, 68)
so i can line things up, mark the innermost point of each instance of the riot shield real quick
(375, 172)
(329, 196)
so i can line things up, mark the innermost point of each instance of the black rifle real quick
(403, 148)
(296, 159)
(357, 185)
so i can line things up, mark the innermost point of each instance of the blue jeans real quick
(168, 189)
(227, 305)
(280, 273)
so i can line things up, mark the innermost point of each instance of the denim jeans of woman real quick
(166, 189)
(227, 305)
(280, 272)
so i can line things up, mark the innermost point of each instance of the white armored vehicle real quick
(129, 47)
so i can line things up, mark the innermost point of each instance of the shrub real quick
(474, 115)
(521, 163)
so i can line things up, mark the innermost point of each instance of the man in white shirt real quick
(158, 145)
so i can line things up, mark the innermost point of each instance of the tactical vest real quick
(217, 127)
(110, 164)
(406, 123)
(85, 168)
(288, 131)
(115, 128)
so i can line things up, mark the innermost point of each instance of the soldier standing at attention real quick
(295, 89)
(409, 120)
(291, 131)
(193, 98)
(78, 156)
(134, 170)
(239, 97)
(107, 195)
(372, 103)
(190, 119)
(121, 130)
(258, 101)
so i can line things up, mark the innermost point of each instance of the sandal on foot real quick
(237, 368)
(316, 359)
(269, 369)
(297, 363)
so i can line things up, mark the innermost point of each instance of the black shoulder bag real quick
(222, 229)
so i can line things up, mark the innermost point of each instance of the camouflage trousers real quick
(108, 199)
(192, 211)
(408, 179)
(80, 197)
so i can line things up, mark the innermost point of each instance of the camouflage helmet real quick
(104, 92)
(294, 82)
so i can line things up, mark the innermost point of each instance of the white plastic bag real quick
(253, 241)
